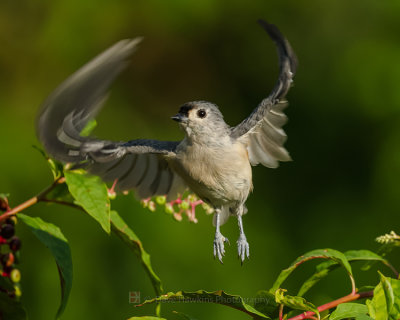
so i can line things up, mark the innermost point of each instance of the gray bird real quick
(213, 160)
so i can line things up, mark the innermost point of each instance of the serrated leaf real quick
(10, 308)
(331, 254)
(350, 310)
(219, 297)
(122, 230)
(52, 237)
(294, 302)
(90, 192)
(386, 301)
(323, 269)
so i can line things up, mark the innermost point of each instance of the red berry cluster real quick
(182, 205)
(9, 252)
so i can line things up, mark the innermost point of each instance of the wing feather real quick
(262, 131)
(260, 156)
(164, 181)
(138, 164)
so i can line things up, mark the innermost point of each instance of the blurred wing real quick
(139, 164)
(262, 131)
(80, 97)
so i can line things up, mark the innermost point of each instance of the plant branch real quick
(18, 208)
(31, 201)
(64, 203)
(353, 285)
(281, 312)
(335, 303)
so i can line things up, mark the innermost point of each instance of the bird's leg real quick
(243, 245)
(219, 250)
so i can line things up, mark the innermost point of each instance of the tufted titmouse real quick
(213, 160)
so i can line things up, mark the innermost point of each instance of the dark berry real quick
(7, 271)
(11, 220)
(15, 244)
(7, 231)
(7, 260)
(3, 259)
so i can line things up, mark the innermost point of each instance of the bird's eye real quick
(201, 113)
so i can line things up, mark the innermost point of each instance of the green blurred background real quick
(341, 190)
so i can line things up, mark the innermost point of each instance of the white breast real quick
(219, 176)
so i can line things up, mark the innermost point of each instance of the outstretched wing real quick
(262, 131)
(138, 164)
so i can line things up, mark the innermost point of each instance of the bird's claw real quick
(243, 248)
(219, 248)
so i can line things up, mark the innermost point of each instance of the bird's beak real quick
(179, 117)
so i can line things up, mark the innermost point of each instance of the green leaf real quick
(219, 297)
(60, 193)
(4, 196)
(88, 128)
(334, 255)
(52, 237)
(184, 315)
(294, 302)
(350, 310)
(315, 278)
(386, 301)
(122, 230)
(90, 193)
(323, 269)
(10, 308)
(264, 302)
(385, 249)
(146, 318)
(366, 288)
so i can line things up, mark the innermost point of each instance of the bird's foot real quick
(219, 249)
(243, 248)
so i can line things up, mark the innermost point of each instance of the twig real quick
(64, 203)
(281, 312)
(31, 201)
(335, 303)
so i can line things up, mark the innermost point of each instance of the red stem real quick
(332, 304)
(281, 312)
(31, 201)
(18, 208)
(112, 189)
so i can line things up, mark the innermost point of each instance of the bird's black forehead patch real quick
(184, 109)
